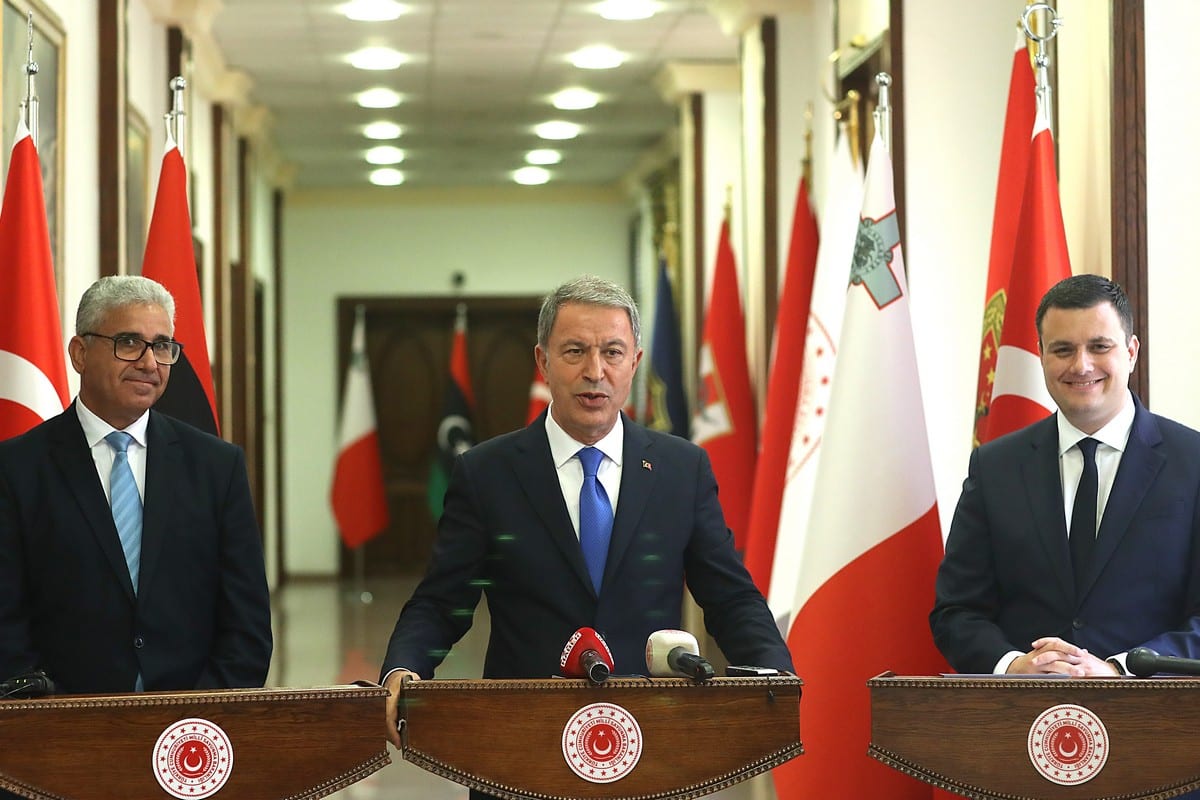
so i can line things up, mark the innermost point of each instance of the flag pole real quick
(29, 106)
(175, 117)
(883, 109)
(1041, 57)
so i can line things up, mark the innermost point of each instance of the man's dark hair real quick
(1086, 291)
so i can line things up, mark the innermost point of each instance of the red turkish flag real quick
(539, 396)
(1010, 187)
(725, 421)
(1019, 395)
(171, 260)
(783, 391)
(33, 373)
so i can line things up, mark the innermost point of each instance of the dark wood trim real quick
(175, 46)
(277, 208)
(110, 133)
(220, 269)
(896, 44)
(1129, 253)
(696, 112)
(770, 44)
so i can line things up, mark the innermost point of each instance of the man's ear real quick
(75, 349)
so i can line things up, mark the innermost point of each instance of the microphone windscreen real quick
(570, 663)
(658, 651)
(1142, 661)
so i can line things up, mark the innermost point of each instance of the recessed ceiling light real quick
(377, 58)
(373, 10)
(543, 157)
(531, 176)
(387, 176)
(627, 9)
(382, 130)
(385, 154)
(575, 99)
(557, 129)
(379, 97)
(597, 56)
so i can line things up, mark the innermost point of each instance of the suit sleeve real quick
(17, 653)
(735, 613)
(967, 591)
(441, 609)
(241, 651)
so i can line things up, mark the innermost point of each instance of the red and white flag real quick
(1010, 186)
(725, 422)
(1040, 260)
(359, 497)
(171, 260)
(539, 396)
(783, 389)
(839, 226)
(33, 373)
(874, 541)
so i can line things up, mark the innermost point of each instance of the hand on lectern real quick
(392, 683)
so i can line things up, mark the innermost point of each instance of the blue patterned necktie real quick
(126, 503)
(1082, 536)
(595, 517)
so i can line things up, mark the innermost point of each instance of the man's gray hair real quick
(118, 291)
(587, 290)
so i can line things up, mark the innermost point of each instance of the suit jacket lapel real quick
(164, 473)
(69, 450)
(637, 482)
(1140, 465)
(534, 468)
(1043, 482)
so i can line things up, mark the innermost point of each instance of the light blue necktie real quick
(126, 503)
(595, 517)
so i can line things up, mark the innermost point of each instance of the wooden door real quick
(408, 348)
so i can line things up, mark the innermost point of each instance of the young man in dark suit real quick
(1015, 592)
(148, 576)
(512, 523)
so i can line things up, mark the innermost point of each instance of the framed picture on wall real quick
(137, 189)
(49, 38)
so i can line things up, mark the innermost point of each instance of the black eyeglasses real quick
(132, 348)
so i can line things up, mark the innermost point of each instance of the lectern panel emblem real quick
(602, 742)
(192, 759)
(1068, 745)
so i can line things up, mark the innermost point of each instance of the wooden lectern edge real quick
(979, 793)
(685, 793)
(190, 697)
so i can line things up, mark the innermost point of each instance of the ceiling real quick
(479, 78)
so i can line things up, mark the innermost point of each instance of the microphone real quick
(673, 652)
(1143, 662)
(26, 685)
(586, 656)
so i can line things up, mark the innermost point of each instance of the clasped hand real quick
(1051, 655)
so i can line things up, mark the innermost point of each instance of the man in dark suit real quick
(182, 602)
(1015, 593)
(512, 523)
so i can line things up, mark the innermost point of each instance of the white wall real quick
(956, 73)
(1173, 168)
(408, 242)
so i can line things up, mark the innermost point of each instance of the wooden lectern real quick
(630, 738)
(1017, 738)
(244, 744)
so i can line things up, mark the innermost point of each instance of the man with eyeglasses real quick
(130, 558)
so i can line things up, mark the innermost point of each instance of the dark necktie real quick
(1083, 516)
(595, 517)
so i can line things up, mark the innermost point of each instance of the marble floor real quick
(328, 632)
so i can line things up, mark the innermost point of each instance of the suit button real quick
(1077, 624)
(139, 642)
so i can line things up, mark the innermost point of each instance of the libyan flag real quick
(454, 433)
